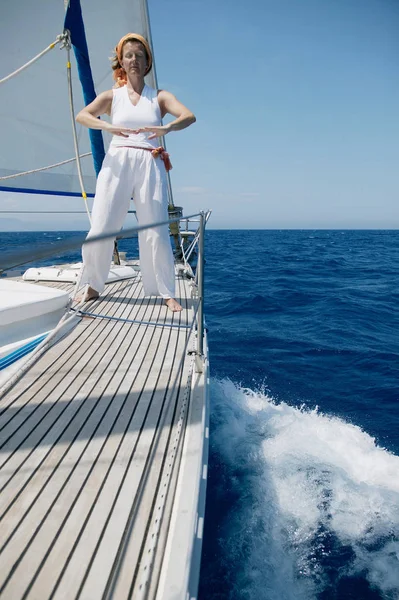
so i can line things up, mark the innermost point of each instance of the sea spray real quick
(310, 502)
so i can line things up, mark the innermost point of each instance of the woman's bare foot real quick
(90, 294)
(173, 305)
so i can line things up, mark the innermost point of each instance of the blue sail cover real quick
(74, 23)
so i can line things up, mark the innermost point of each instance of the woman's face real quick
(134, 58)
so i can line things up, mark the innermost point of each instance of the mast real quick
(173, 211)
(75, 25)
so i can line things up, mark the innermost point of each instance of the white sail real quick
(34, 109)
(109, 500)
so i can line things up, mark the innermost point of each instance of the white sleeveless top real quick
(146, 113)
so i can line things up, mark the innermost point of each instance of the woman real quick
(133, 166)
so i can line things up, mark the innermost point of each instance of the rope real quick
(60, 38)
(187, 254)
(97, 316)
(63, 162)
(190, 249)
(45, 212)
(51, 212)
(75, 137)
(8, 261)
(63, 38)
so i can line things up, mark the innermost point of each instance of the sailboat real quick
(103, 407)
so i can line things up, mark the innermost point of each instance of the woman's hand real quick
(155, 131)
(121, 131)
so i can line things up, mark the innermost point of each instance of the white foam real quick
(311, 486)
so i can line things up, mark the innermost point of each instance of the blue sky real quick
(297, 106)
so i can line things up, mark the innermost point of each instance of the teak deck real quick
(103, 454)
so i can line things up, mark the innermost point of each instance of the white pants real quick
(128, 172)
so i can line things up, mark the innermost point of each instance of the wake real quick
(313, 503)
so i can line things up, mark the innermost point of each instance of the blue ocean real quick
(303, 488)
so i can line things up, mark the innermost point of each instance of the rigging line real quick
(44, 212)
(107, 317)
(63, 162)
(75, 137)
(51, 212)
(14, 259)
(191, 247)
(60, 38)
(194, 243)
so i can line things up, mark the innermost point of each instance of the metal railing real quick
(187, 252)
(200, 267)
(10, 260)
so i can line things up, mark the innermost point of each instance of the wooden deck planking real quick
(69, 481)
(111, 325)
(122, 450)
(133, 554)
(39, 397)
(49, 360)
(128, 550)
(72, 409)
